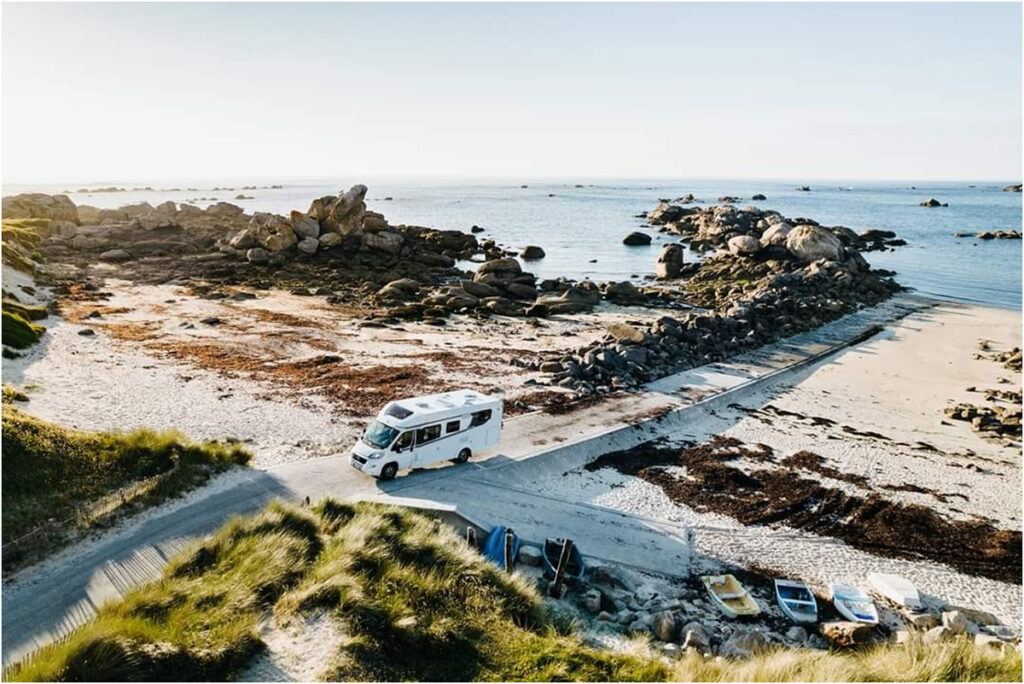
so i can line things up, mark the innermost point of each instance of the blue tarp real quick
(494, 547)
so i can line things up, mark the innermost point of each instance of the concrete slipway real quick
(46, 601)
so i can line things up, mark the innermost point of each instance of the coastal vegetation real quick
(416, 603)
(57, 480)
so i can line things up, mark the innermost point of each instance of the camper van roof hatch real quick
(399, 412)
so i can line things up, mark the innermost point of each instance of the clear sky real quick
(151, 92)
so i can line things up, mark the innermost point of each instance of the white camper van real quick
(412, 433)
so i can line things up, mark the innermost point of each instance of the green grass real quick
(414, 602)
(52, 472)
(12, 394)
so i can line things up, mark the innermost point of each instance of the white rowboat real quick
(796, 600)
(897, 589)
(853, 604)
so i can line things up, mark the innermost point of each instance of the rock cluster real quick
(992, 235)
(1012, 188)
(993, 422)
(932, 202)
(795, 280)
(39, 205)
(709, 228)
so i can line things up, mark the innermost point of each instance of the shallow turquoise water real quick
(578, 225)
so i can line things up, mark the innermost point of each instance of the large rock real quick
(955, 621)
(611, 577)
(665, 213)
(532, 252)
(502, 267)
(328, 240)
(694, 635)
(623, 292)
(743, 643)
(937, 634)
(844, 634)
(776, 234)
(932, 202)
(154, 220)
(257, 255)
(384, 241)
(663, 625)
(244, 239)
(479, 289)
(274, 233)
(636, 239)
(305, 226)
(40, 205)
(670, 261)
(744, 245)
(308, 245)
(810, 243)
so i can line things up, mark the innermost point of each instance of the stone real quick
(671, 650)
(591, 601)
(86, 332)
(937, 634)
(743, 643)
(955, 621)
(532, 252)
(384, 241)
(988, 641)
(606, 574)
(844, 634)
(694, 635)
(305, 226)
(244, 239)
(625, 616)
(605, 616)
(505, 266)
(328, 240)
(670, 261)
(663, 625)
(623, 292)
(665, 213)
(530, 555)
(257, 255)
(776, 234)
(154, 220)
(922, 620)
(975, 615)
(641, 624)
(520, 291)
(932, 202)
(744, 245)
(478, 289)
(796, 634)
(624, 331)
(308, 245)
(758, 198)
(636, 239)
(115, 255)
(903, 636)
(810, 243)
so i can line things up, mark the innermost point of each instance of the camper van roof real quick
(414, 410)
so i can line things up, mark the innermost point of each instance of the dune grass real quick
(414, 603)
(54, 473)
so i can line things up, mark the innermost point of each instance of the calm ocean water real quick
(581, 228)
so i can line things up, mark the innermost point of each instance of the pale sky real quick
(154, 92)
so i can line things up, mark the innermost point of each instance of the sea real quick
(580, 223)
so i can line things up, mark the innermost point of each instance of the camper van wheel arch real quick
(463, 456)
(389, 471)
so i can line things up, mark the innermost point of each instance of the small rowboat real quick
(897, 589)
(553, 551)
(731, 596)
(502, 547)
(853, 604)
(796, 601)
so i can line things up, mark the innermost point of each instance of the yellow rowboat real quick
(731, 596)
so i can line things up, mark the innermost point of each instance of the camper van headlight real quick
(375, 454)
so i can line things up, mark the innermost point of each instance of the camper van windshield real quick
(379, 435)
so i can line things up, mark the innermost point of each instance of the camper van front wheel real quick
(463, 456)
(389, 471)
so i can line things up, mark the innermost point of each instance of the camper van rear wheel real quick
(389, 471)
(463, 456)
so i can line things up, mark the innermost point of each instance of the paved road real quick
(46, 601)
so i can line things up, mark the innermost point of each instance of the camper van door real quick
(428, 443)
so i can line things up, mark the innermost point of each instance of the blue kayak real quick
(494, 547)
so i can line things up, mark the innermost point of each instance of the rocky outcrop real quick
(932, 202)
(531, 252)
(40, 205)
(1012, 188)
(710, 228)
(670, 261)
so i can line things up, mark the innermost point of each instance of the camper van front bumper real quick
(364, 465)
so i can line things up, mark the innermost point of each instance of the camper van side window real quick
(428, 434)
(452, 426)
(481, 417)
